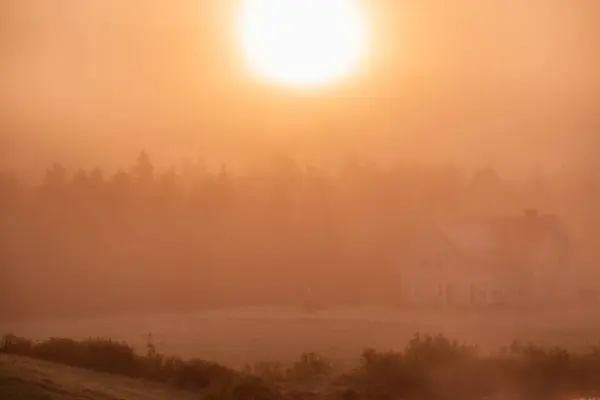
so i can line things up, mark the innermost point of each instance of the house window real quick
(482, 296)
(497, 295)
(415, 293)
(510, 292)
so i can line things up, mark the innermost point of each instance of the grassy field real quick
(237, 337)
(27, 379)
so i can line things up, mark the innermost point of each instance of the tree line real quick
(143, 238)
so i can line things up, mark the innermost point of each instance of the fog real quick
(279, 232)
(146, 169)
(479, 82)
(155, 189)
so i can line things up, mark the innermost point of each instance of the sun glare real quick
(302, 42)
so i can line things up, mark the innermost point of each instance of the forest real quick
(272, 232)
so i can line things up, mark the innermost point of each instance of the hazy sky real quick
(483, 80)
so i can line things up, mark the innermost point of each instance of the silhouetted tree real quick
(55, 182)
(143, 171)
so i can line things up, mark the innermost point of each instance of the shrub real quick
(109, 356)
(543, 371)
(250, 388)
(16, 345)
(64, 351)
(104, 355)
(272, 372)
(429, 366)
(199, 374)
(310, 367)
(437, 350)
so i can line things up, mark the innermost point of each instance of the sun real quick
(302, 42)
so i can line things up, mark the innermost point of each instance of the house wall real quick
(437, 273)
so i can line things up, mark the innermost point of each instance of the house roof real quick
(509, 233)
(471, 235)
(506, 241)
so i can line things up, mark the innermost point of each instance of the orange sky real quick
(474, 80)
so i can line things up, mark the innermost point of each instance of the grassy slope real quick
(22, 378)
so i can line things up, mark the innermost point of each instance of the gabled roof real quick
(511, 233)
(470, 235)
(503, 241)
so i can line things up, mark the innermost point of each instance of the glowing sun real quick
(302, 42)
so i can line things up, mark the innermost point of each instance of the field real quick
(244, 336)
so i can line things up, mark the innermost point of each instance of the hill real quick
(28, 379)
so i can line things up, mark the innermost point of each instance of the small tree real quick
(143, 170)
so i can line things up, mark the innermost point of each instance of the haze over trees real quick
(149, 239)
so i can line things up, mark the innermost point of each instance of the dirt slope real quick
(26, 379)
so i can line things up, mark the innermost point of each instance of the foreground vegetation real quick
(430, 367)
(24, 378)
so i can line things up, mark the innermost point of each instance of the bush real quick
(437, 368)
(272, 372)
(429, 366)
(64, 351)
(109, 356)
(199, 374)
(106, 355)
(543, 371)
(247, 388)
(310, 367)
(16, 345)
(428, 351)
(102, 355)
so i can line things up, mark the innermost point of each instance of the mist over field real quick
(172, 209)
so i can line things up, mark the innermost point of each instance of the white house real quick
(512, 259)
